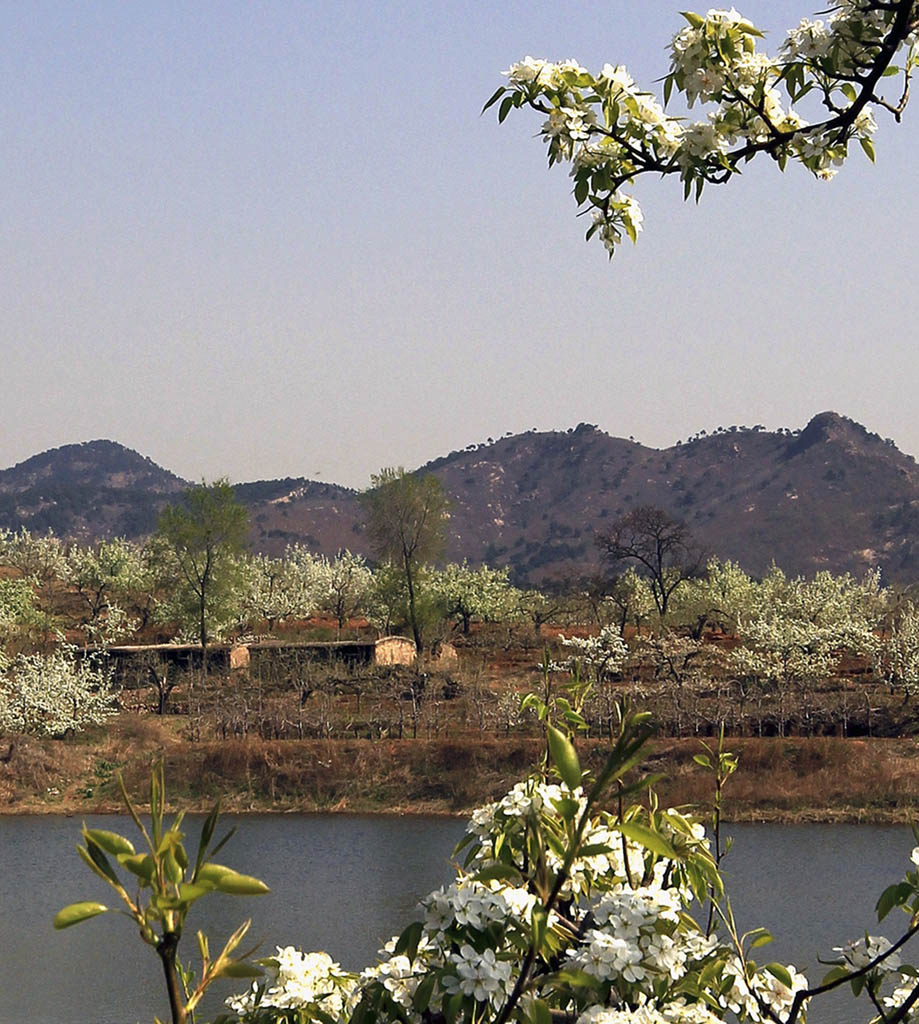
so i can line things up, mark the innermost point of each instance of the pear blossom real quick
(617, 79)
(860, 952)
(480, 975)
(531, 70)
(612, 131)
(775, 993)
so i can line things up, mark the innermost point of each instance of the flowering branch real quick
(611, 132)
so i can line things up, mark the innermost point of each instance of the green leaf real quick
(594, 849)
(140, 864)
(422, 997)
(835, 974)
(868, 146)
(564, 757)
(647, 838)
(207, 834)
(749, 29)
(236, 969)
(496, 95)
(539, 920)
(241, 885)
(497, 872)
(171, 867)
(409, 939)
(567, 807)
(156, 803)
(96, 860)
(761, 938)
(78, 912)
(702, 759)
(453, 1006)
(130, 806)
(848, 90)
(191, 891)
(225, 879)
(505, 108)
(223, 842)
(531, 700)
(893, 896)
(696, 20)
(540, 1012)
(779, 971)
(463, 843)
(576, 978)
(111, 842)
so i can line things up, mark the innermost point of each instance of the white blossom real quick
(299, 980)
(860, 952)
(480, 975)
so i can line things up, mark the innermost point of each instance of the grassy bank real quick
(800, 779)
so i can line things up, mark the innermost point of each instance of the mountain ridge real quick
(832, 495)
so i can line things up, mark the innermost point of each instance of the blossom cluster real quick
(297, 981)
(604, 653)
(610, 130)
(597, 899)
(52, 694)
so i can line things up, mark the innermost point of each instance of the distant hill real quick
(89, 490)
(832, 495)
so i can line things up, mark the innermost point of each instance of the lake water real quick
(346, 884)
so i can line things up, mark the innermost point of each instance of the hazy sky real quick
(266, 239)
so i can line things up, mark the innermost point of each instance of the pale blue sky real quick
(267, 239)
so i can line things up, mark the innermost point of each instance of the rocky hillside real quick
(832, 495)
(95, 489)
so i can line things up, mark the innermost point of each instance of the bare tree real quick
(660, 548)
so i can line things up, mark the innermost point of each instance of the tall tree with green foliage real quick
(406, 524)
(205, 533)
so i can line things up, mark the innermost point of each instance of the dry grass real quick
(828, 779)
(779, 779)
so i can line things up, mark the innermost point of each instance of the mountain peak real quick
(97, 463)
(830, 426)
(94, 488)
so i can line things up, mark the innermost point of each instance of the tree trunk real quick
(166, 948)
(413, 617)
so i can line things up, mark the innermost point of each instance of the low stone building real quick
(132, 664)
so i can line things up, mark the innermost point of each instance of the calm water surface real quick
(346, 884)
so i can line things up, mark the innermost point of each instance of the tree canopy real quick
(406, 517)
(204, 533)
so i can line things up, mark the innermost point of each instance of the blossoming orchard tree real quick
(807, 103)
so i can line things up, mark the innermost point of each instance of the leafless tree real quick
(661, 549)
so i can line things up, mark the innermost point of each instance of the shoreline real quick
(807, 816)
(791, 781)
